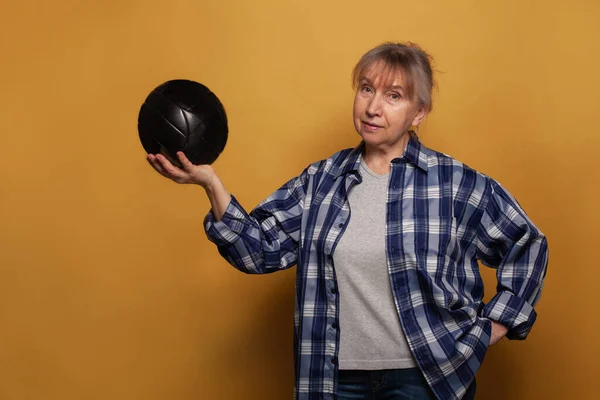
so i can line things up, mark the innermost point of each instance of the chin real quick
(371, 137)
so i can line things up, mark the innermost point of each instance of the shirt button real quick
(333, 290)
(334, 360)
(341, 225)
(334, 325)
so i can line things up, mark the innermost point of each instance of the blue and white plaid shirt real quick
(442, 217)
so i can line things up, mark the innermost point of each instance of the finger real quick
(159, 169)
(152, 161)
(156, 165)
(169, 168)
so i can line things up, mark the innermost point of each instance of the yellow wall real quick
(108, 286)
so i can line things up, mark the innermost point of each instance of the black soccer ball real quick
(183, 115)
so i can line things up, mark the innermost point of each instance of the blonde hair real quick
(406, 58)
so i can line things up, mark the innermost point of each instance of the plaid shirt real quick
(442, 217)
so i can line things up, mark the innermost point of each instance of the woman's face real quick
(383, 112)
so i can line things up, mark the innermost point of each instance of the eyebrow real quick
(368, 81)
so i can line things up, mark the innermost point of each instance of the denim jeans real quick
(391, 384)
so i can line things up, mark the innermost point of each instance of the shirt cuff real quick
(511, 311)
(227, 230)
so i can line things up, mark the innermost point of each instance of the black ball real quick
(183, 115)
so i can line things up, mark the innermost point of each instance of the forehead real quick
(382, 74)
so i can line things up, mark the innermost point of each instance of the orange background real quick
(109, 288)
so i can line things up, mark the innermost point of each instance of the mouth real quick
(371, 126)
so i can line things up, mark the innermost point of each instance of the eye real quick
(365, 89)
(395, 96)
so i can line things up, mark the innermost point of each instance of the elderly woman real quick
(386, 238)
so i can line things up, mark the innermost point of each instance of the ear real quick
(422, 112)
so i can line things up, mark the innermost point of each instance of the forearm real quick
(263, 241)
(219, 197)
(253, 243)
(510, 242)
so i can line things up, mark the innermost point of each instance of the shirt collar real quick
(415, 153)
(352, 161)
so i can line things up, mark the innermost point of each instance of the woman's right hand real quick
(202, 175)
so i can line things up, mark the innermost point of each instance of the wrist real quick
(211, 184)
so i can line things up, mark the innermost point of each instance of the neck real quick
(379, 157)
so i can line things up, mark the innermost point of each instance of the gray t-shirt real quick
(371, 337)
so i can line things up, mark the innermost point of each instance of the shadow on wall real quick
(256, 354)
(499, 376)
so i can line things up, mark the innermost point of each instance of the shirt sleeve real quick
(266, 240)
(510, 242)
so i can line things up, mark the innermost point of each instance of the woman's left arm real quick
(509, 241)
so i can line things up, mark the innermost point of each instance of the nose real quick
(374, 106)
